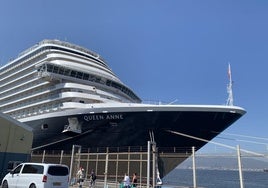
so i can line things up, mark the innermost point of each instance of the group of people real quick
(127, 183)
(81, 177)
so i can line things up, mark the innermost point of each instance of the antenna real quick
(230, 100)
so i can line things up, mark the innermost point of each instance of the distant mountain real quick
(225, 163)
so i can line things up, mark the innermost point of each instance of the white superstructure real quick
(54, 76)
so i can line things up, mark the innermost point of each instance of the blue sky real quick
(164, 50)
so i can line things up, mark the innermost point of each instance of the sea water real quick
(216, 178)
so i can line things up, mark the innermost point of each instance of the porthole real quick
(44, 126)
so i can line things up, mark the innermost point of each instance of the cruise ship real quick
(70, 96)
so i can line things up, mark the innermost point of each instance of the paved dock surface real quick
(100, 184)
(117, 185)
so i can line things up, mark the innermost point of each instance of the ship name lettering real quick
(114, 116)
(93, 117)
(102, 117)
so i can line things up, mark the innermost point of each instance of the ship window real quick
(61, 70)
(108, 83)
(98, 80)
(67, 72)
(44, 126)
(79, 74)
(92, 78)
(86, 76)
(56, 69)
(73, 73)
(49, 68)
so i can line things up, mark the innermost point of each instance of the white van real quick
(33, 175)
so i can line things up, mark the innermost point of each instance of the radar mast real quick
(230, 100)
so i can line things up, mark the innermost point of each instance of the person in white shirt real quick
(126, 181)
(80, 176)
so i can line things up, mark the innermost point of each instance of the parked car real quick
(41, 175)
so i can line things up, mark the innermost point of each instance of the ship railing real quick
(121, 149)
(27, 104)
(158, 102)
(154, 102)
(58, 42)
(22, 98)
(28, 50)
(69, 45)
(25, 113)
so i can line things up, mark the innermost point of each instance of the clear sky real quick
(164, 50)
